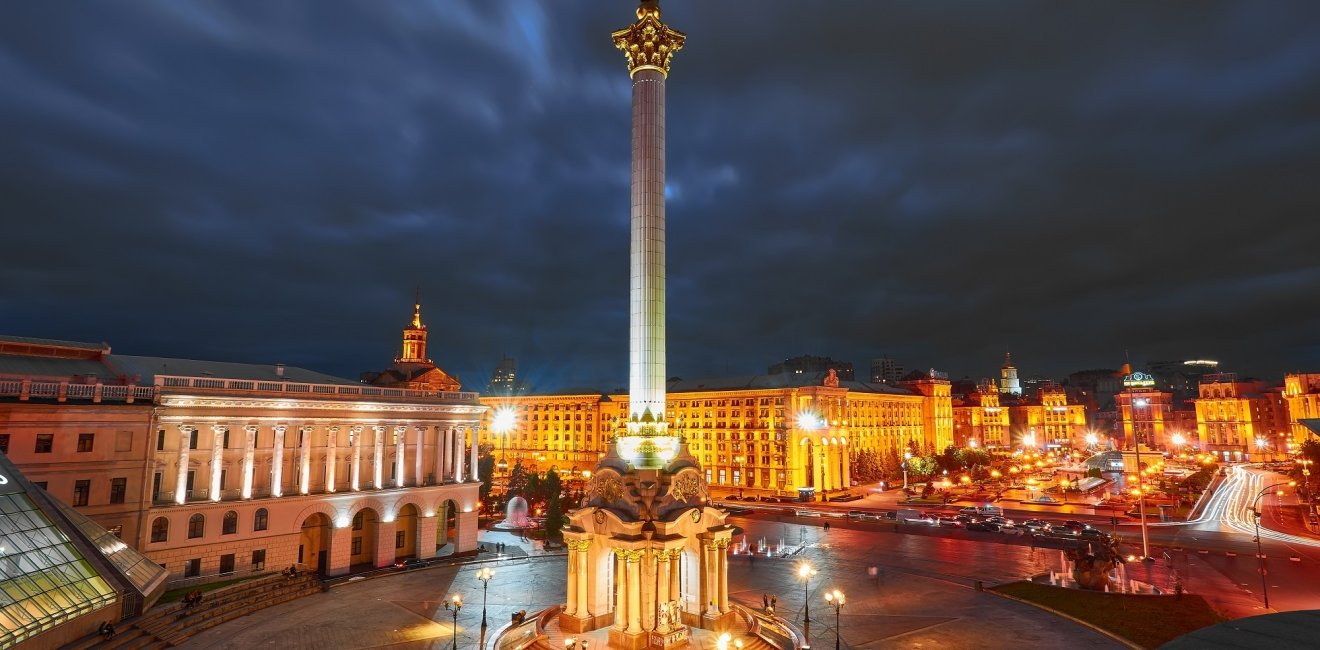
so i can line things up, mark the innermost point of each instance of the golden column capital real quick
(648, 43)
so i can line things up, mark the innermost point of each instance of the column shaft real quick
(446, 454)
(572, 606)
(583, 610)
(400, 447)
(460, 439)
(181, 481)
(439, 455)
(217, 460)
(249, 458)
(378, 461)
(722, 577)
(634, 595)
(277, 464)
(620, 593)
(304, 459)
(355, 443)
(476, 470)
(419, 452)
(331, 457)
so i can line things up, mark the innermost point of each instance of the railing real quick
(62, 390)
(329, 390)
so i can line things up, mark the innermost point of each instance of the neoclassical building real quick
(770, 434)
(214, 469)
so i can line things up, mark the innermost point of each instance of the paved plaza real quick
(923, 598)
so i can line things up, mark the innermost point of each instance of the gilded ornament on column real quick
(648, 43)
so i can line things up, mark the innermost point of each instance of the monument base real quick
(720, 622)
(576, 625)
(675, 638)
(624, 641)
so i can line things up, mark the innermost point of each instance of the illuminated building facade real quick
(1052, 417)
(1008, 377)
(1240, 419)
(748, 433)
(217, 469)
(1301, 396)
(978, 416)
(1144, 412)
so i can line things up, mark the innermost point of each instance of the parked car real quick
(969, 511)
(410, 563)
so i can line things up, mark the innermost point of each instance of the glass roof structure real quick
(44, 580)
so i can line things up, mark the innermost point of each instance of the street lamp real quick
(805, 571)
(1141, 488)
(1063, 487)
(484, 575)
(454, 604)
(502, 423)
(1092, 440)
(1260, 445)
(1260, 556)
(907, 456)
(835, 598)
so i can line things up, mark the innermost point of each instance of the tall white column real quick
(459, 439)
(304, 459)
(217, 458)
(447, 454)
(419, 475)
(646, 385)
(277, 463)
(249, 457)
(331, 456)
(476, 470)
(400, 473)
(355, 443)
(378, 462)
(181, 481)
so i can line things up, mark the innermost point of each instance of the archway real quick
(446, 529)
(405, 532)
(365, 527)
(314, 543)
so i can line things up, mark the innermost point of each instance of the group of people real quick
(107, 630)
(192, 599)
(769, 602)
(291, 572)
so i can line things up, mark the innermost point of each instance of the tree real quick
(552, 490)
(485, 471)
(518, 479)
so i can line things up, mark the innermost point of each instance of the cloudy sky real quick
(936, 181)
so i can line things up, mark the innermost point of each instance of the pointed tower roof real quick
(1008, 360)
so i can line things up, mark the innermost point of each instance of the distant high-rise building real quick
(806, 364)
(885, 370)
(1008, 377)
(504, 381)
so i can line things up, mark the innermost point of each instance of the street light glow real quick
(503, 420)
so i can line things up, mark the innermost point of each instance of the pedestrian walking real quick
(774, 602)
(765, 602)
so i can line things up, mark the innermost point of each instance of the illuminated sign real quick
(1139, 380)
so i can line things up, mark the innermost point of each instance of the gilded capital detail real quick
(648, 43)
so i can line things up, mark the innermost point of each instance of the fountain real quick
(1095, 572)
(515, 516)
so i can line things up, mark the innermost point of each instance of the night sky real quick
(936, 181)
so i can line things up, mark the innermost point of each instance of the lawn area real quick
(1148, 621)
(175, 595)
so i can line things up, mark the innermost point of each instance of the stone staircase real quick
(169, 625)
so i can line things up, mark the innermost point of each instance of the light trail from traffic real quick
(1230, 507)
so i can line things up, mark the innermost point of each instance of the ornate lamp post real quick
(907, 456)
(454, 604)
(484, 575)
(835, 598)
(1260, 556)
(805, 571)
(502, 423)
(1063, 487)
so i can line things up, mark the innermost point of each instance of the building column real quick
(249, 457)
(331, 456)
(572, 606)
(378, 461)
(675, 578)
(846, 468)
(662, 596)
(425, 546)
(722, 575)
(460, 440)
(633, 564)
(355, 443)
(400, 457)
(620, 591)
(583, 610)
(419, 475)
(446, 452)
(440, 455)
(476, 470)
(217, 458)
(181, 481)
(304, 459)
(277, 463)
(709, 592)
(814, 455)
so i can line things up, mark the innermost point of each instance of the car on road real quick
(1036, 525)
(1071, 527)
(803, 512)
(983, 526)
(969, 511)
(410, 563)
(863, 514)
(1093, 533)
(948, 522)
(1000, 521)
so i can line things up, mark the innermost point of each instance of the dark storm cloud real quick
(936, 181)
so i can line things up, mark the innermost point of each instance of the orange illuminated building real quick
(979, 418)
(1240, 419)
(1145, 412)
(771, 434)
(1051, 417)
(1301, 396)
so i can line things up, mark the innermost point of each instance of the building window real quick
(45, 442)
(85, 441)
(80, 490)
(118, 486)
(4, 442)
(192, 568)
(229, 525)
(196, 526)
(357, 521)
(160, 530)
(398, 539)
(259, 520)
(259, 559)
(226, 564)
(357, 546)
(160, 440)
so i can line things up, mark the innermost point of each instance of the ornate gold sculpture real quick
(686, 487)
(648, 43)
